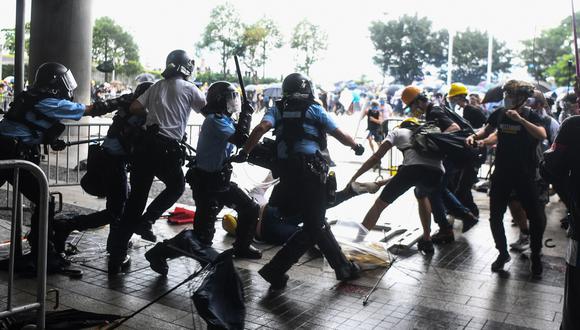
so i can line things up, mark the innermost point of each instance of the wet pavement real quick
(452, 289)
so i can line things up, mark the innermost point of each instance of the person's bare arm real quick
(343, 138)
(137, 108)
(373, 160)
(452, 128)
(536, 131)
(482, 133)
(257, 133)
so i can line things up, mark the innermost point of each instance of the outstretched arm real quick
(373, 160)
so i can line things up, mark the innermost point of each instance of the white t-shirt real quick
(169, 103)
(401, 138)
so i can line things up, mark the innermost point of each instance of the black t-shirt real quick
(516, 148)
(372, 126)
(474, 116)
(568, 141)
(439, 117)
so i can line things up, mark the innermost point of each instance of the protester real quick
(519, 133)
(417, 171)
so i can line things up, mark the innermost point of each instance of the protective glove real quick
(359, 149)
(58, 145)
(241, 157)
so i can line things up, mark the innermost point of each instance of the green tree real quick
(563, 71)
(223, 33)
(545, 50)
(258, 40)
(470, 57)
(309, 40)
(404, 46)
(111, 42)
(10, 39)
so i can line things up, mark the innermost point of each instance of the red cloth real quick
(181, 215)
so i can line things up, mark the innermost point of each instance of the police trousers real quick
(158, 157)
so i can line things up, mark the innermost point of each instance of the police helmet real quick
(178, 63)
(55, 79)
(219, 97)
(298, 85)
(141, 88)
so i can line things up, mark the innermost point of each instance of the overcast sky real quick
(161, 26)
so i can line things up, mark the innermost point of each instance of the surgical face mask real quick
(234, 104)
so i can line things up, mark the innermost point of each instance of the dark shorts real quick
(425, 179)
(543, 191)
(376, 134)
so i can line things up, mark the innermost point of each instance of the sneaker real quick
(469, 221)
(365, 187)
(536, 267)
(425, 246)
(443, 236)
(522, 244)
(501, 260)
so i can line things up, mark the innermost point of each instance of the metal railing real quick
(15, 239)
(65, 168)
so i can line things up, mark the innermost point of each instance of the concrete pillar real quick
(62, 31)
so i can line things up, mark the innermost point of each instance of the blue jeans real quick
(438, 197)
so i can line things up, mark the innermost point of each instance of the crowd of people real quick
(148, 131)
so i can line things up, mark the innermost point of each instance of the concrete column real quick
(62, 31)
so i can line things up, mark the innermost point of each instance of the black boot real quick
(157, 257)
(275, 271)
(245, 232)
(343, 268)
(118, 264)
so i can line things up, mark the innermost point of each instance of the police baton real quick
(240, 80)
(68, 144)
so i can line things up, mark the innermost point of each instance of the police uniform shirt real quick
(516, 148)
(169, 103)
(315, 112)
(213, 147)
(53, 108)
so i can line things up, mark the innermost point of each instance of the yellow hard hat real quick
(409, 94)
(409, 122)
(457, 89)
(229, 224)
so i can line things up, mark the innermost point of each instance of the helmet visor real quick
(68, 80)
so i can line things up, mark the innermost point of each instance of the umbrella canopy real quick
(543, 86)
(273, 91)
(494, 94)
(144, 77)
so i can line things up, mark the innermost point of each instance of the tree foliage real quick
(563, 70)
(404, 46)
(111, 42)
(544, 51)
(258, 40)
(10, 39)
(470, 57)
(223, 33)
(309, 40)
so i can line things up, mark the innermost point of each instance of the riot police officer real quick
(300, 126)
(210, 180)
(34, 119)
(167, 105)
(110, 172)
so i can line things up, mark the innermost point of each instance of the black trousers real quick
(28, 186)
(211, 192)
(301, 192)
(526, 189)
(158, 157)
(570, 316)
(117, 194)
(461, 185)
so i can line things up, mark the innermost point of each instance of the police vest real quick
(25, 103)
(293, 119)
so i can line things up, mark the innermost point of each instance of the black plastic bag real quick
(93, 182)
(220, 297)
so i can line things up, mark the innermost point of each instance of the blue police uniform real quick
(21, 140)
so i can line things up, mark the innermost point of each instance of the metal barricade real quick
(15, 240)
(394, 157)
(65, 168)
